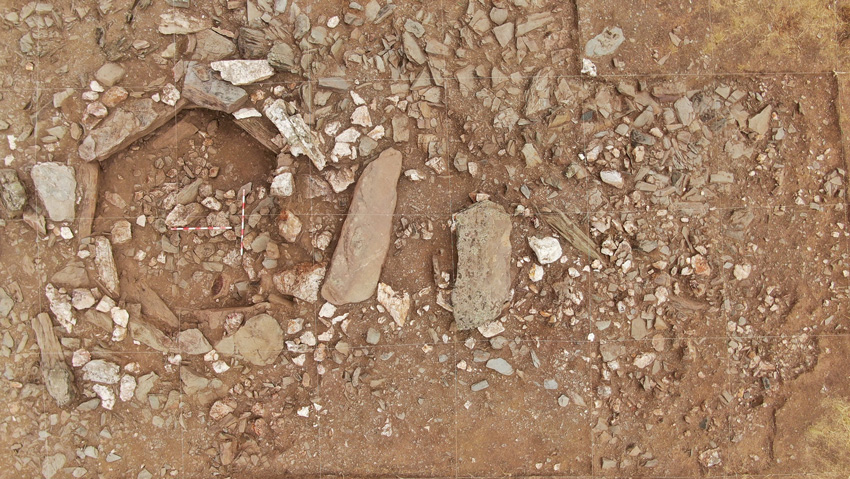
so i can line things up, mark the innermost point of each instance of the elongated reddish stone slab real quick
(365, 238)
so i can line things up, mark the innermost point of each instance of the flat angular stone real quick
(483, 284)
(178, 23)
(605, 43)
(532, 158)
(259, 340)
(760, 123)
(56, 185)
(126, 124)
(336, 83)
(243, 72)
(301, 139)
(539, 92)
(533, 22)
(504, 33)
(684, 110)
(202, 88)
(412, 48)
(109, 74)
(500, 366)
(192, 341)
(365, 238)
(282, 57)
(212, 46)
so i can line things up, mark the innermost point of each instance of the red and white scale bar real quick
(242, 232)
(197, 228)
(241, 228)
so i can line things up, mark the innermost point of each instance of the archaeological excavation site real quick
(430, 239)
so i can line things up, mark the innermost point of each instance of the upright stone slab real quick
(483, 284)
(365, 238)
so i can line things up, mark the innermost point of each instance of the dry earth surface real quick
(462, 238)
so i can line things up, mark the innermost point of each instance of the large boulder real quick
(483, 284)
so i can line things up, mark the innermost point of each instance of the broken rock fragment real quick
(365, 237)
(107, 275)
(301, 139)
(56, 186)
(282, 185)
(760, 123)
(109, 74)
(192, 341)
(282, 57)
(547, 249)
(412, 48)
(483, 284)
(302, 281)
(539, 92)
(243, 72)
(12, 193)
(178, 23)
(289, 226)
(212, 46)
(183, 215)
(60, 306)
(396, 303)
(202, 88)
(58, 379)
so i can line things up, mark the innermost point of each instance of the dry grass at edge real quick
(782, 28)
(829, 438)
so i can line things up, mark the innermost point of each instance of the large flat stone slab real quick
(365, 237)
(57, 187)
(483, 283)
(204, 89)
(128, 122)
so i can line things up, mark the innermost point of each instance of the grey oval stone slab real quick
(500, 366)
(365, 237)
(483, 284)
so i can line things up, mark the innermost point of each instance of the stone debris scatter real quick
(209, 252)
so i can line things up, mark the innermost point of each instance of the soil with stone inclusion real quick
(713, 297)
